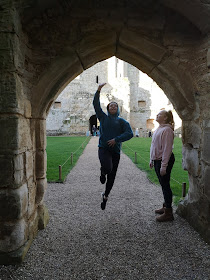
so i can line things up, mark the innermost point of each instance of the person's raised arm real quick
(100, 86)
(96, 102)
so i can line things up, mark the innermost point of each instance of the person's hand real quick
(111, 142)
(162, 172)
(151, 164)
(100, 86)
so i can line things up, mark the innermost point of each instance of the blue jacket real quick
(111, 126)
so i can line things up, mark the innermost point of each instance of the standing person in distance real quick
(113, 131)
(162, 158)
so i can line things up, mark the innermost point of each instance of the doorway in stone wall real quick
(92, 122)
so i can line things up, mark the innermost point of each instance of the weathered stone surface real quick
(19, 174)
(96, 47)
(191, 134)
(31, 197)
(208, 58)
(17, 256)
(195, 189)
(33, 225)
(16, 133)
(154, 52)
(204, 103)
(6, 174)
(43, 216)
(51, 84)
(41, 164)
(207, 182)
(30, 168)
(190, 160)
(12, 235)
(13, 203)
(206, 147)
(40, 190)
(136, 60)
(40, 134)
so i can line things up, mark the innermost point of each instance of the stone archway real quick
(44, 45)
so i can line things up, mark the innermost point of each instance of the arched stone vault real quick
(46, 44)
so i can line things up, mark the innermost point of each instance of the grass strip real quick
(59, 151)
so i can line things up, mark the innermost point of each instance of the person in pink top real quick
(162, 158)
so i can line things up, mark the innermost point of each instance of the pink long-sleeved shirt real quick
(162, 144)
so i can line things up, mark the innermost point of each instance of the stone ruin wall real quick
(139, 99)
(25, 95)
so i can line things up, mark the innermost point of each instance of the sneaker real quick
(103, 203)
(102, 178)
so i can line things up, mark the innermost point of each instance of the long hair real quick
(170, 118)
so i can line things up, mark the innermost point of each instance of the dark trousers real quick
(165, 180)
(109, 164)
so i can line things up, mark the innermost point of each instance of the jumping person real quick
(113, 131)
(162, 158)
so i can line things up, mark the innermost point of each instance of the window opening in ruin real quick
(141, 103)
(150, 124)
(57, 105)
(96, 79)
(92, 122)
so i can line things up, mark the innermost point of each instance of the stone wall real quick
(44, 45)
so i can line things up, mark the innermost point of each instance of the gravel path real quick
(123, 242)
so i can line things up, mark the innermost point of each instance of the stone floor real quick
(123, 242)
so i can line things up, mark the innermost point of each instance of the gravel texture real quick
(123, 242)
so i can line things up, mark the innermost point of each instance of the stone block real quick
(134, 42)
(12, 235)
(43, 216)
(204, 100)
(135, 59)
(191, 134)
(6, 174)
(24, 137)
(40, 190)
(9, 128)
(31, 197)
(6, 60)
(190, 160)
(194, 192)
(8, 97)
(96, 47)
(16, 133)
(41, 164)
(33, 225)
(33, 134)
(13, 203)
(208, 58)
(5, 42)
(18, 178)
(29, 165)
(40, 134)
(205, 154)
(15, 257)
(206, 180)
(19, 174)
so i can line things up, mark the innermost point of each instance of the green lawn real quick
(59, 151)
(142, 147)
